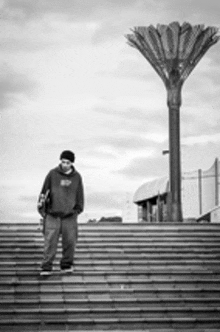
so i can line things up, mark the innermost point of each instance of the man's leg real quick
(69, 240)
(51, 238)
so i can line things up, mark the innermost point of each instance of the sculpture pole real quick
(174, 103)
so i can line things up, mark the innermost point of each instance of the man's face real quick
(66, 165)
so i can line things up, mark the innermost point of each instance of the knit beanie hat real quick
(69, 155)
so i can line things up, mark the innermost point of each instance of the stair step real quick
(213, 259)
(113, 257)
(102, 293)
(123, 234)
(97, 272)
(55, 324)
(110, 313)
(186, 302)
(133, 252)
(108, 280)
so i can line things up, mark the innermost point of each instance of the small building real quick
(200, 196)
(151, 199)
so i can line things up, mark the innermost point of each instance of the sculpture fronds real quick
(173, 50)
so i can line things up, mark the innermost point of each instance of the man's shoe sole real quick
(67, 270)
(45, 273)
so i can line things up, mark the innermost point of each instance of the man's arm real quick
(79, 207)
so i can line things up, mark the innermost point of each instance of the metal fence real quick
(200, 191)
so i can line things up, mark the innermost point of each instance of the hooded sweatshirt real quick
(65, 192)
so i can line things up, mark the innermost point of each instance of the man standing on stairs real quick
(61, 200)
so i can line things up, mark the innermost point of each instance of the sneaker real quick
(45, 272)
(67, 270)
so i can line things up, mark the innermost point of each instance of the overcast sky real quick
(69, 80)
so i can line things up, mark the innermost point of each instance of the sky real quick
(69, 80)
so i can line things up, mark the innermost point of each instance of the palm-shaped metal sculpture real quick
(173, 51)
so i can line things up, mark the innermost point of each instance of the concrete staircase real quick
(135, 277)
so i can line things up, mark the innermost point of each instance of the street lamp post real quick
(173, 51)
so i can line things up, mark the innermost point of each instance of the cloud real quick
(196, 11)
(26, 10)
(146, 167)
(112, 19)
(200, 103)
(13, 204)
(202, 139)
(75, 10)
(105, 200)
(199, 153)
(29, 199)
(127, 142)
(48, 35)
(136, 67)
(14, 85)
(197, 121)
(141, 121)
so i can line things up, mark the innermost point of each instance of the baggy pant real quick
(54, 227)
